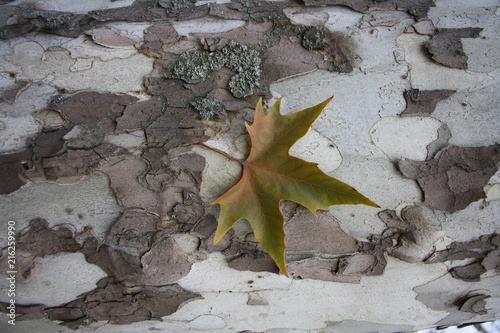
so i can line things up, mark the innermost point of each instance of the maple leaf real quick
(270, 175)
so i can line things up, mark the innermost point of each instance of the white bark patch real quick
(307, 300)
(408, 137)
(15, 131)
(317, 148)
(75, 6)
(55, 282)
(89, 202)
(118, 73)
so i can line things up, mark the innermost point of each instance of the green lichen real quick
(337, 66)
(313, 38)
(242, 84)
(412, 94)
(248, 6)
(208, 107)
(47, 19)
(196, 65)
(246, 62)
(181, 4)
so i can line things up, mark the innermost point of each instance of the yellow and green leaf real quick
(270, 175)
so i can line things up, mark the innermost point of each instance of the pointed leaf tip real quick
(326, 101)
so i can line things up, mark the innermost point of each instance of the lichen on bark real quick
(197, 65)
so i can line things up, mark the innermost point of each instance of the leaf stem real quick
(220, 152)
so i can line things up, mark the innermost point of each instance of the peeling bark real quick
(417, 8)
(165, 226)
(446, 48)
(11, 166)
(423, 102)
(31, 19)
(119, 304)
(11, 94)
(455, 177)
(483, 255)
(96, 110)
(42, 241)
(131, 283)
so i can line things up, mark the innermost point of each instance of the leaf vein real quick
(299, 180)
(266, 222)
